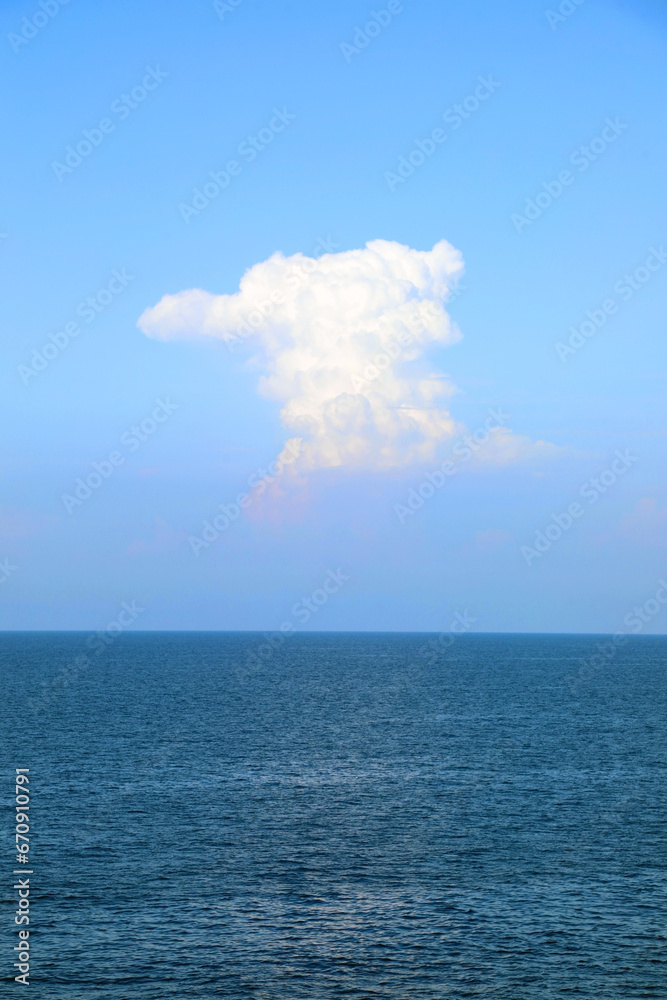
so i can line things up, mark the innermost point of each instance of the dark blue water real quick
(347, 817)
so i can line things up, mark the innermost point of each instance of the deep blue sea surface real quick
(349, 816)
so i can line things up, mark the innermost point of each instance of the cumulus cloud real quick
(342, 340)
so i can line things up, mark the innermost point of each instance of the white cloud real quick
(342, 341)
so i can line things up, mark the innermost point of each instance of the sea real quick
(337, 815)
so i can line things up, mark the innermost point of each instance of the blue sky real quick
(220, 76)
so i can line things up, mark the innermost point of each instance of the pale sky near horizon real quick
(219, 217)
